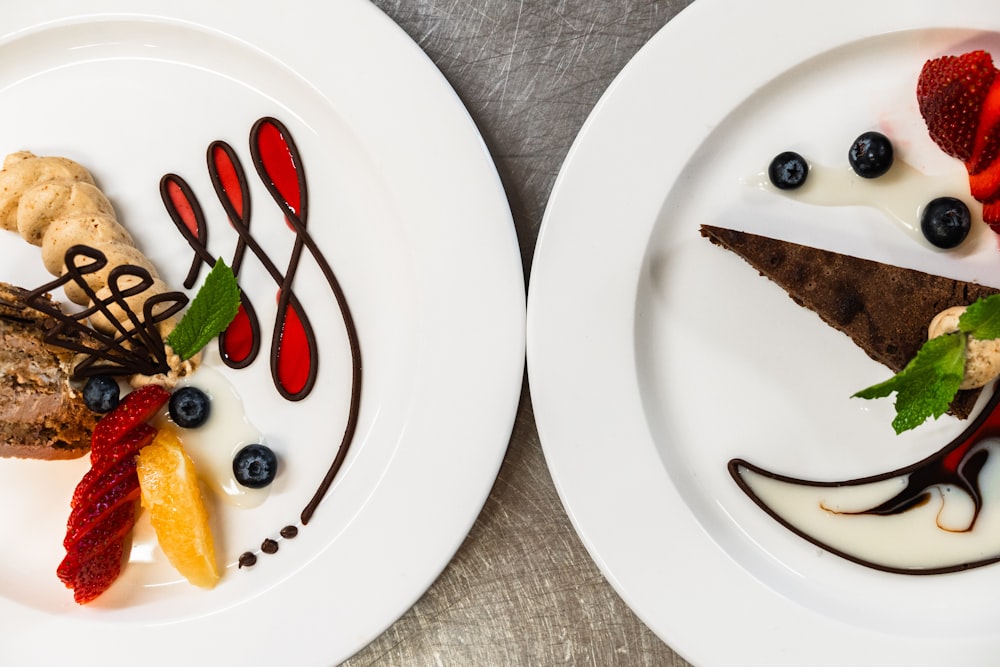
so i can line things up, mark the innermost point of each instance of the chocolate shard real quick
(884, 309)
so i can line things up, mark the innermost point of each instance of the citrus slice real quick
(171, 495)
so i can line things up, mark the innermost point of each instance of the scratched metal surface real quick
(522, 590)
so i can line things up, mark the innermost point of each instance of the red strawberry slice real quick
(137, 407)
(984, 166)
(94, 576)
(985, 186)
(115, 528)
(991, 214)
(951, 91)
(106, 500)
(87, 518)
(120, 463)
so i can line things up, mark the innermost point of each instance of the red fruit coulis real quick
(294, 357)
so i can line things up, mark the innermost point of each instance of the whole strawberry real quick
(951, 91)
(959, 99)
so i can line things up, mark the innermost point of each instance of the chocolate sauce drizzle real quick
(958, 463)
(270, 133)
(239, 345)
(278, 164)
(136, 347)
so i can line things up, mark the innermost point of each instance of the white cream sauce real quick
(901, 193)
(935, 535)
(213, 445)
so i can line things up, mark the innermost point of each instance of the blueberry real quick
(788, 170)
(189, 407)
(871, 155)
(255, 466)
(101, 393)
(945, 222)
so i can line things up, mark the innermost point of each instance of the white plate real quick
(407, 207)
(654, 357)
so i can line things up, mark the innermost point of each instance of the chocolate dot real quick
(247, 559)
(288, 532)
(269, 546)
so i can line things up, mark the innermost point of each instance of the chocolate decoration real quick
(233, 192)
(293, 345)
(137, 348)
(296, 218)
(18, 311)
(186, 213)
(184, 210)
(247, 559)
(279, 166)
(958, 463)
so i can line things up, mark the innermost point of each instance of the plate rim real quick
(497, 317)
(582, 305)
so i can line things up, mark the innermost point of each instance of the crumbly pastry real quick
(884, 309)
(41, 415)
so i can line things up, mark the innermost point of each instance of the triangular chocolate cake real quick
(884, 309)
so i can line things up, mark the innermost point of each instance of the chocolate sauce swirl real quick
(294, 354)
(135, 346)
(959, 464)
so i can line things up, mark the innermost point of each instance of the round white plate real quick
(655, 357)
(406, 206)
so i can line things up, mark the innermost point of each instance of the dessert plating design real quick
(129, 326)
(133, 344)
(942, 513)
(947, 493)
(294, 356)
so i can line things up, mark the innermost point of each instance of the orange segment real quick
(171, 495)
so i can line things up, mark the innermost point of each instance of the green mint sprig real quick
(212, 309)
(928, 384)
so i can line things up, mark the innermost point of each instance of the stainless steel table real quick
(522, 589)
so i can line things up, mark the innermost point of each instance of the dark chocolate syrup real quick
(240, 343)
(268, 546)
(294, 354)
(136, 346)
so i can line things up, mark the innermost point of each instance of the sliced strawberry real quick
(985, 186)
(951, 91)
(116, 526)
(88, 518)
(106, 500)
(119, 462)
(991, 214)
(136, 408)
(94, 576)
(987, 144)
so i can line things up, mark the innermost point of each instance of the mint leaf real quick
(213, 308)
(928, 384)
(982, 318)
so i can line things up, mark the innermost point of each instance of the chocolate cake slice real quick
(884, 309)
(41, 415)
